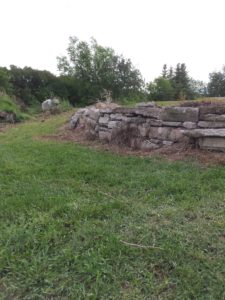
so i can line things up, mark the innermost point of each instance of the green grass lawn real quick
(67, 210)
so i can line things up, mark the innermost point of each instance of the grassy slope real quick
(64, 210)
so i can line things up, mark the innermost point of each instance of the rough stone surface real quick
(125, 110)
(211, 109)
(113, 124)
(197, 133)
(180, 114)
(106, 110)
(172, 124)
(176, 135)
(161, 133)
(103, 120)
(148, 145)
(144, 129)
(74, 121)
(94, 114)
(213, 117)
(150, 112)
(189, 125)
(116, 117)
(136, 120)
(212, 143)
(154, 122)
(7, 117)
(211, 124)
(91, 123)
(167, 143)
(49, 104)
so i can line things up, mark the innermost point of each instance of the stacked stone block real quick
(148, 126)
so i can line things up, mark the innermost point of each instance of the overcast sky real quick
(150, 32)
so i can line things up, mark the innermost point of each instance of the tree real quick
(181, 83)
(173, 85)
(5, 85)
(164, 71)
(34, 85)
(198, 88)
(216, 85)
(170, 74)
(97, 69)
(161, 89)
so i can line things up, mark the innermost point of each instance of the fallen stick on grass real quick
(140, 246)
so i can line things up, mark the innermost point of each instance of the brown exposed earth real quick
(176, 152)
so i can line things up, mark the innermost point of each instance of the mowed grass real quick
(66, 211)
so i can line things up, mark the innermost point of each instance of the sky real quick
(149, 32)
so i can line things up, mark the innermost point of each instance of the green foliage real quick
(175, 85)
(65, 211)
(216, 85)
(33, 85)
(64, 105)
(181, 83)
(5, 85)
(161, 89)
(8, 104)
(198, 88)
(96, 69)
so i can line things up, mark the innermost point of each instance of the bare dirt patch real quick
(176, 152)
(5, 126)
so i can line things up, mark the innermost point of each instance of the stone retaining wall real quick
(148, 126)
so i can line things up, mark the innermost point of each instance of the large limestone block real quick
(211, 109)
(116, 117)
(180, 114)
(125, 110)
(197, 133)
(172, 124)
(90, 122)
(211, 124)
(103, 120)
(136, 120)
(161, 133)
(189, 125)
(167, 133)
(113, 124)
(154, 122)
(214, 118)
(212, 143)
(94, 114)
(177, 135)
(144, 129)
(106, 111)
(149, 112)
